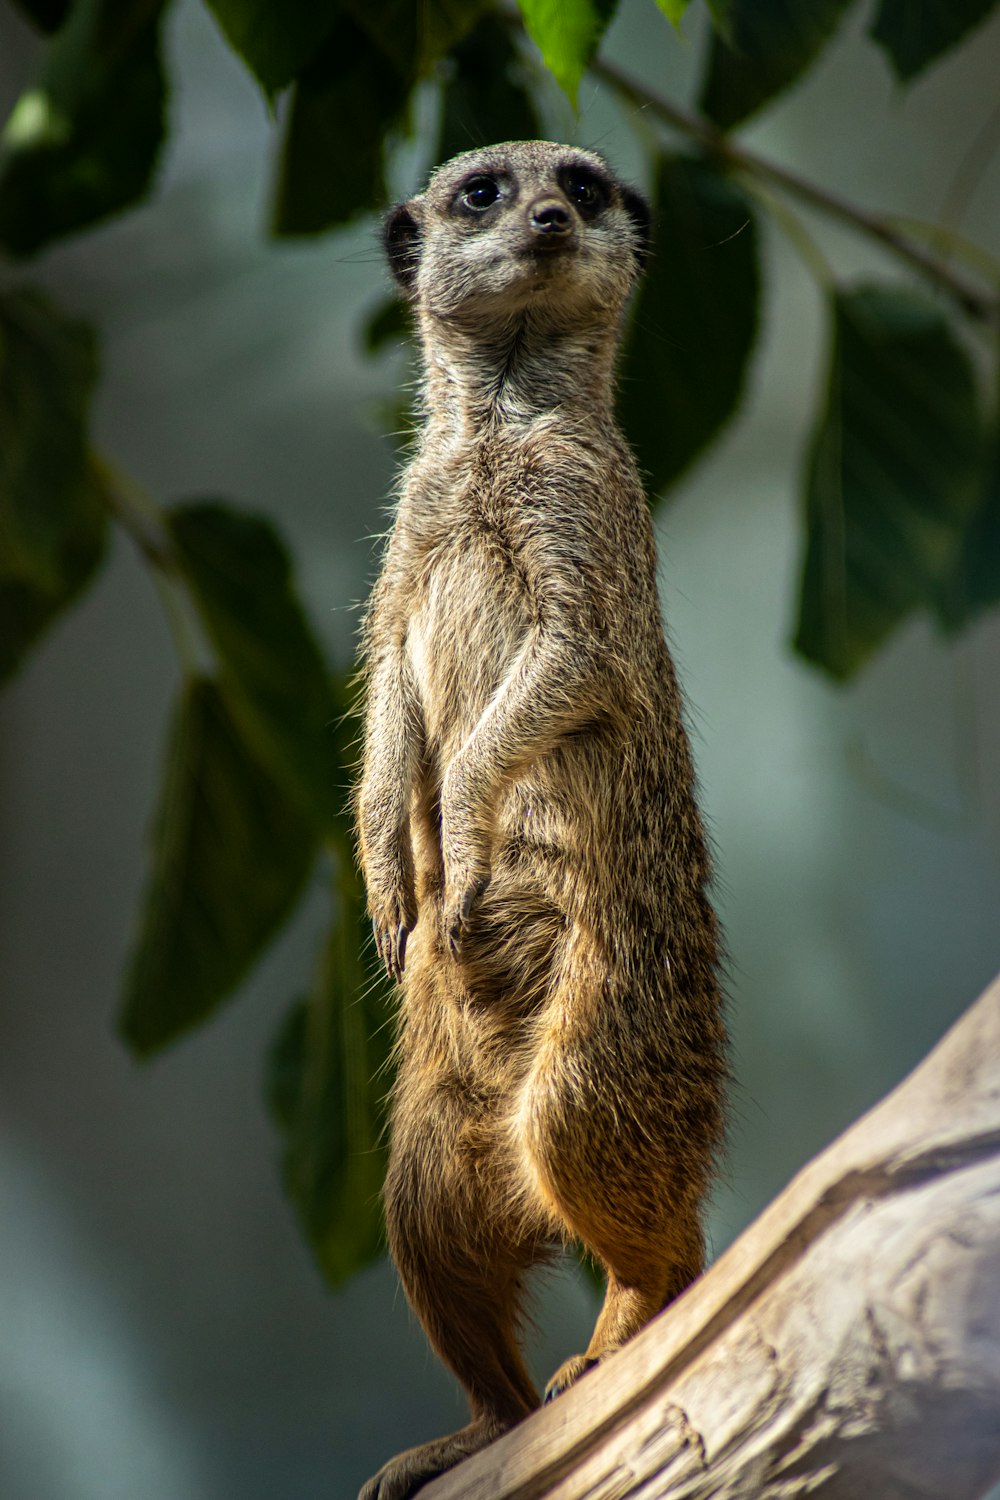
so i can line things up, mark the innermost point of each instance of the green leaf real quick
(974, 583)
(327, 1081)
(53, 518)
(275, 40)
(48, 366)
(485, 97)
(695, 320)
(673, 10)
(83, 142)
(343, 107)
(414, 35)
(721, 12)
(46, 15)
(272, 670)
(893, 476)
(769, 44)
(567, 33)
(27, 606)
(915, 32)
(230, 856)
(389, 323)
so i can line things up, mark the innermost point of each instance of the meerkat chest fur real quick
(528, 522)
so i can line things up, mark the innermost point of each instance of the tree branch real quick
(973, 300)
(847, 1344)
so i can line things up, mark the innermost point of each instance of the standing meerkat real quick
(535, 862)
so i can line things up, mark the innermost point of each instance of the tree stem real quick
(140, 517)
(973, 299)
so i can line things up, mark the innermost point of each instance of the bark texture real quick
(846, 1346)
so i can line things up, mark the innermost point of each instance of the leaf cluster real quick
(901, 500)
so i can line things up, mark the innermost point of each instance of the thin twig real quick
(136, 512)
(142, 520)
(976, 302)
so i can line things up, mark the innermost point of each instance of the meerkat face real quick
(522, 224)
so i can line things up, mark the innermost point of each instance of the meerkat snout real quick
(550, 222)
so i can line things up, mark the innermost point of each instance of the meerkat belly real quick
(465, 632)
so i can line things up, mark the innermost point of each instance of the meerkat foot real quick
(568, 1374)
(408, 1472)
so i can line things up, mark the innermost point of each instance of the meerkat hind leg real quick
(462, 1276)
(472, 1328)
(647, 1280)
(625, 1310)
(408, 1472)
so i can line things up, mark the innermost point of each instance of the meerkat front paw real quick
(462, 896)
(394, 917)
(390, 941)
(465, 844)
(392, 903)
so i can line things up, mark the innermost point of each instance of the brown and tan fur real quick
(535, 862)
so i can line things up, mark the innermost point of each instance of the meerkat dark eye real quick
(585, 191)
(480, 193)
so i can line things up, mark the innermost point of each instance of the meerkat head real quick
(519, 225)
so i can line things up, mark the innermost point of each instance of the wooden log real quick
(847, 1345)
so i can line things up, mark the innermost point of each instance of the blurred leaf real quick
(769, 44)
(974, 583)
(389, 323)
(567, 33)
(48, 365)
(893, 476)
(695, 320)
(485, 98)
(275, 40)
(46, 15)
(83, 142)
(327, 1082)
(27, 606)
(721, 12)
(343, 107)
(272, 671)
(673, 10)
(230, 856)
(413, 34)
(53, 520)
(398, 420)
(915, 32)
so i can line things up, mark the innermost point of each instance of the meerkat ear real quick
(401, 237)
(637, 209)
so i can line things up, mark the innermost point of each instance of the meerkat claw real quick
(391, 947)
(399, 953)
(454, 937)
(456, 921)
(568, 1375)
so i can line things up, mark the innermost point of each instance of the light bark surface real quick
(847, 1345)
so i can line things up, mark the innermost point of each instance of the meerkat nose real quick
(548, 216)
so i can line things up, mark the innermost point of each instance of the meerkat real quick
(535, 862)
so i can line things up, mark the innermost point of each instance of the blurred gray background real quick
(163, 1332)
